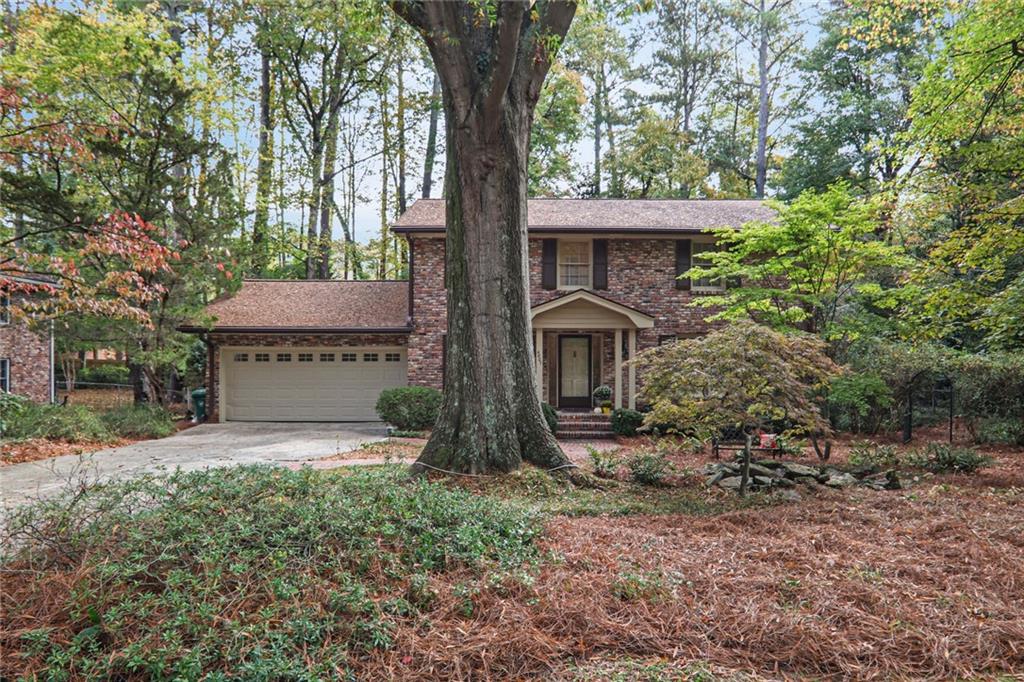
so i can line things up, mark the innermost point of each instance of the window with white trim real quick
(574, 264)
(348, 357)
(305, 357)
(392, 357)
(370, 357)
(284, 357)
(241, 357)
(700, 260)
(5, 375)
(5, 310)
(327, 357)
(261, 357)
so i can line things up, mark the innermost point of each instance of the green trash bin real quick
(199, 404)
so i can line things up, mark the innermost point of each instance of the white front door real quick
(574, 364)
(278, 383)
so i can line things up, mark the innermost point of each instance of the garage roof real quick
(265, 305)
(608, 215)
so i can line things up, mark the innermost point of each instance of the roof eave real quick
(414, 229)
(193, 329)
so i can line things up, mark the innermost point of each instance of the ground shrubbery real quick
(76, 423)
(409, 408)
(626, 422)
(253, 572)
(945, 458)
(550, 417)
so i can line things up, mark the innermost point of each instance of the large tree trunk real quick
(327, 202)
(491, 417)
(313, 206)
(264, 171)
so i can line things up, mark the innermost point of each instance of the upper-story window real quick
(5, 309)
(574, 264)
(700, 260)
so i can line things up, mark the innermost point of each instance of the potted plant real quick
(602, 396)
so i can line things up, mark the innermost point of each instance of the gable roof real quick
(607, 215)
(352, 306)
(638, 318)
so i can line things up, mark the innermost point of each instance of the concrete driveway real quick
(200, 447)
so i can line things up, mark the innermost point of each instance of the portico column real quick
(538, 361)
(632, 369)
(618, 369)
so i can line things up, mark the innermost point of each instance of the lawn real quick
(261, 573)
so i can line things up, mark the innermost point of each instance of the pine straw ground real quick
(869, 585)
(924, 583)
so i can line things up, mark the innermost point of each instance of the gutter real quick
(563, 229)
(192, 329)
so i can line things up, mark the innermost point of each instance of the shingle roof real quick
(608, 215)
(306, 305)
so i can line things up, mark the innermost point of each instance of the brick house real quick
(603, 286)
(26, 357)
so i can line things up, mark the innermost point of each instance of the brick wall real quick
(29, 354)
(641, 274)
(218, 341)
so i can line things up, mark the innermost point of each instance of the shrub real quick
(11, 408)
(626, 422)
(102, 374)
(140, 421)
(859, 401)
(409, 408)
(255, 573)
(874, 455)
(942, 458)
(606, 464)
(74, 423)
(550, 416)
(1000, 431)
(649, 468)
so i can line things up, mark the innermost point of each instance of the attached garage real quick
(305, 350)
(280, 383)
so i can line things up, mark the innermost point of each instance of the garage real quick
(309, 384)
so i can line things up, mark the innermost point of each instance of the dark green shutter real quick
(683, 263)
(549, 264)
(600, 263)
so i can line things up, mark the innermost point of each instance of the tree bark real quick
(491, 76)
(264, 170)
(327, 201)
(431, 153)
(762, 105)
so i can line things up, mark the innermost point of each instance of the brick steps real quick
(584, 426)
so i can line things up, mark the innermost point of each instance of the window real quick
(348, 357)
(701, 261)
(370, 357)
(241, 357)
(5, 376)
(305, 357)
(392, 357)
(573, 264)
(5, 310)
(261, 357)
(284, 357)
(327, 357)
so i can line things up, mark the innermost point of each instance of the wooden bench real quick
(717, 447)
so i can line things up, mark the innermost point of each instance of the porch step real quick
(584, 426)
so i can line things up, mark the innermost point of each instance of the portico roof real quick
(582, 309)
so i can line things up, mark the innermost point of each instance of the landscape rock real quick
(794, 470)
(730, 483)
(840, 479)
(766, 475)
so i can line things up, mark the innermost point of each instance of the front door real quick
(574, 371)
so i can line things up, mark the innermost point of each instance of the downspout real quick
(53, 373)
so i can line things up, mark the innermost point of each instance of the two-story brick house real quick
(603, 285)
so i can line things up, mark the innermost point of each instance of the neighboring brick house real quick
(26, 357)
(603, 286)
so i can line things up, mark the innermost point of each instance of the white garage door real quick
(308, 384)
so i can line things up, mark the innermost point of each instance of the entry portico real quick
(578, 344)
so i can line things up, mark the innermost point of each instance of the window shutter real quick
(683, 263)
(600, 263)
(549, 264)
